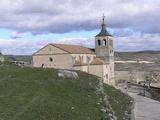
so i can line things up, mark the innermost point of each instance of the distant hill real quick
(142, 55)
(25, 58)
(153, 56)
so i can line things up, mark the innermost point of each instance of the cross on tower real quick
(103, 17)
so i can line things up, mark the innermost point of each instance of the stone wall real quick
(59, 61)
(130, 76)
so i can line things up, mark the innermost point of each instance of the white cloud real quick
(39, 16)
(16, 35)
(28, 47)
(135, 23)
(132, 43)
(138, 43)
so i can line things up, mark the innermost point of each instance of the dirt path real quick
(145, 108)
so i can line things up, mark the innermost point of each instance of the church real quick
(73, 57)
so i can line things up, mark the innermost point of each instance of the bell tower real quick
(104, 44)
(104, 51)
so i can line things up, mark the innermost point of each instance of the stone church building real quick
(74, 57)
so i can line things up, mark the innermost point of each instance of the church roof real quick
(74, 49)
(97, 61)
(103, 31)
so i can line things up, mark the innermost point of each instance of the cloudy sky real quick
(27, 25)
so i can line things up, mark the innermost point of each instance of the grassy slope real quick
(38, 94)
(120, 102)
(35, 94)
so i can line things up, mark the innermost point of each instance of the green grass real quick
(38, 94)
(120, 102)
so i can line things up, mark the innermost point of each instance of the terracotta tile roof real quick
(97, 61)
(74, 49)
(79, 63)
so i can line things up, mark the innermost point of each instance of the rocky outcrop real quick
(67, 74)
(106, 107)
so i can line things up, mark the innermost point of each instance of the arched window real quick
(99, 42)
(104, 42)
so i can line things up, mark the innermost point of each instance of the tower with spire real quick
(104, 51)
